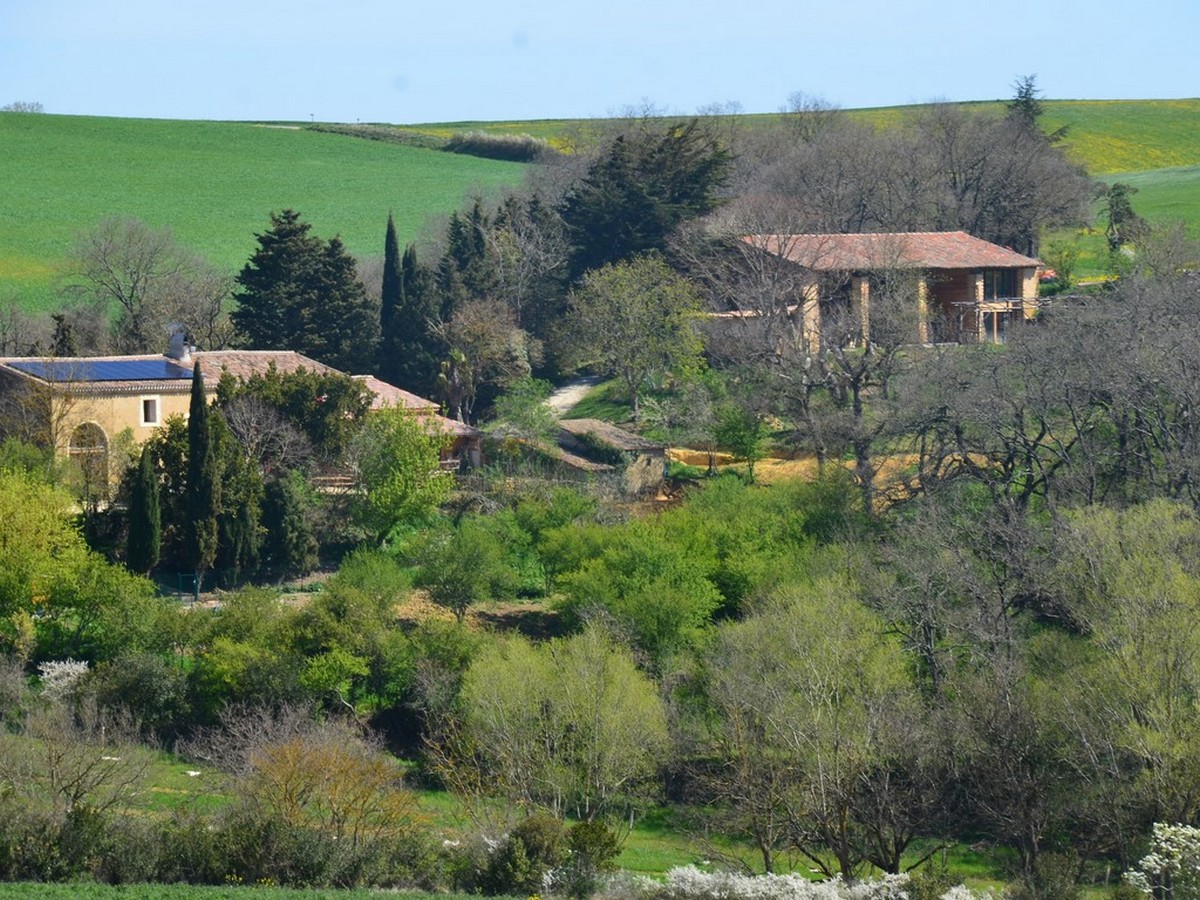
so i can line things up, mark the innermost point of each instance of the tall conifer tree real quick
(145, 518)
(300, 293)
(391, 295)
(203, 486)
(409, 350)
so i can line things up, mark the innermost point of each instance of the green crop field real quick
(213, 184)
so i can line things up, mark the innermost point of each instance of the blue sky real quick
(452, 60)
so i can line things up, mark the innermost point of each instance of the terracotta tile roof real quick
(389, 395)
(897, 250)
(245, 363)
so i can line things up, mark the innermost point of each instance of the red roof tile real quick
(246, 363)
(897, 250)
(389, 395)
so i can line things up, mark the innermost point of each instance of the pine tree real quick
(343, 329)
(203, 501)
(639, 190)
(300, 293)
(277, 283)
(145, 518)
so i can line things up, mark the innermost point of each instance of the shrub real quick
(510, 147)
(592, 847)
(1172, 867)
(689, 883)
(519, 864)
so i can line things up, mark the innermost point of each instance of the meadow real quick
(213, 184)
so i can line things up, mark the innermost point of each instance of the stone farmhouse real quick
(965, 290)
(79, 405)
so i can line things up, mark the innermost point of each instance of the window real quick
(149, 411)
(995, 326)
(999, 284)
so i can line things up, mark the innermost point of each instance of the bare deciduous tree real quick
(153, 282)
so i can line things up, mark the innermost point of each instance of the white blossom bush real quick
(1172, 867)
(689, 883)
(59, 677)
(962, 892)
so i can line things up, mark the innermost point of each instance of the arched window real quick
(89, 451)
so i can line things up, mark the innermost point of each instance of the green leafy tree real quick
(395, 463)
(290, 548)
(570, 725)
(145, 522)
(459, 569)
(634, 320)
(326, 407)
(300, 293)
(653, 586)
(643, 185)
(806, 725)
(743, 433)
(203, 498)
(57, 597)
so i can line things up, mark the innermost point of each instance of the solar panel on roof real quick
(103, 369)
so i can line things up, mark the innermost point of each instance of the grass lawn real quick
(213, 184)
(606, 401)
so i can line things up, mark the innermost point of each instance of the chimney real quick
(177, 344)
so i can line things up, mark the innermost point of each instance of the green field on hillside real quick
(1105, 136)
(213, 183)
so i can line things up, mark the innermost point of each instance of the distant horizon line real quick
(584, 118)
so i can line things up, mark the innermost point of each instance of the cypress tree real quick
(291, 548)
(241, 495)
(409, 351)
(145, 518)
(390, 296)
(203, 486)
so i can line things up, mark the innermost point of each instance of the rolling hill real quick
(214, 183)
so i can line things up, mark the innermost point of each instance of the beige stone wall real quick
(113, 414)
(1029, 291)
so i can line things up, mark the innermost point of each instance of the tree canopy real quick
(633, 320)
(641, 187)
(300, 293)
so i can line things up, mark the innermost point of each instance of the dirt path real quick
(563, 398)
